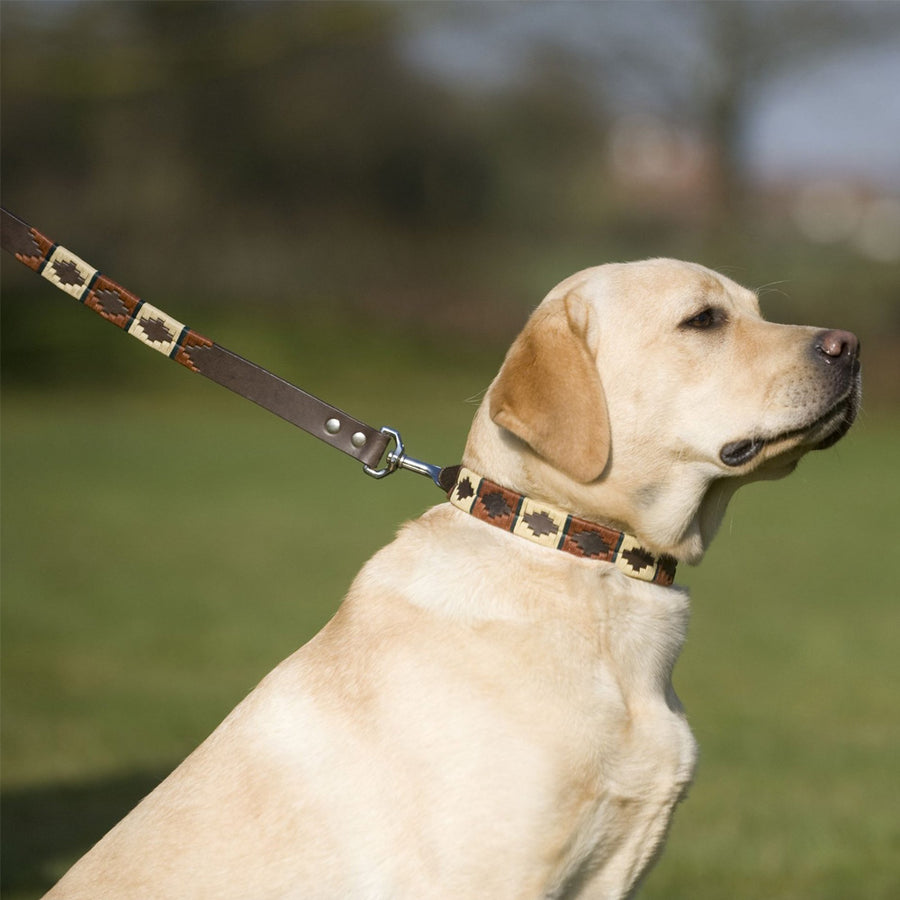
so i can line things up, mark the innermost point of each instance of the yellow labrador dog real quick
(490, 712)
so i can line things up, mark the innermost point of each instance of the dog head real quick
(643, 394)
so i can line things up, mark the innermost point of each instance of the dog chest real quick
(625, 806)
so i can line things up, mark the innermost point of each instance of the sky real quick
(841, 117)
(836, 115)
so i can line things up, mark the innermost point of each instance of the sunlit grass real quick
(163, 550)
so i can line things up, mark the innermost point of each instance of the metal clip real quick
(397, 459)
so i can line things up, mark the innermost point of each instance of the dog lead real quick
(158, 330)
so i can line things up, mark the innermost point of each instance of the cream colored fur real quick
(484, 717)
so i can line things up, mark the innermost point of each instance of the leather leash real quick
(156, 329)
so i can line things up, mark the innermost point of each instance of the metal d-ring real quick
(393, 457)
(397, 459)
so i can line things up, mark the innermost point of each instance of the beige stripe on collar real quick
(544, 524)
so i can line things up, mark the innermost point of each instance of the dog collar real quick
(543, 524)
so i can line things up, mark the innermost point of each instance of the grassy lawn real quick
(163, 550)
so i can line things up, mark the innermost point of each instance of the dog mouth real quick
(828, 429)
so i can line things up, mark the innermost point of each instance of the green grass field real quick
(163, 550)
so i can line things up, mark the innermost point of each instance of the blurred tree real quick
(719, 58)
(241, 121)
(293, 153)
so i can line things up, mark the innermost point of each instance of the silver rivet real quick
(358, 440)
(333, 426)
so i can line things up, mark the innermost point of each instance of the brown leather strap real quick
(160, 331)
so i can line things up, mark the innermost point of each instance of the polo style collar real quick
(543, 524)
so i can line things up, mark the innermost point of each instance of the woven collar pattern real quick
(551, 527)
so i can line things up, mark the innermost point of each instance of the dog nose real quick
(837, 346)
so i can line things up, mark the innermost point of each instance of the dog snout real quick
(835, 347)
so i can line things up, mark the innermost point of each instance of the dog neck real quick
(675, 513)
(544, 524)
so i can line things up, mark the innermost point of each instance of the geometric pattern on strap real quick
(548, 526)
(159, 331)
(71, 274)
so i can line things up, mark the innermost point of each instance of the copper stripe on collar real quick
(544, 524)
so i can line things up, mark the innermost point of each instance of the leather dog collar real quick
(543, 524)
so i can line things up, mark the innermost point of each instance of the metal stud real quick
(333, 426)
(358, 440)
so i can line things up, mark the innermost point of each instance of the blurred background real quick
(368, 198)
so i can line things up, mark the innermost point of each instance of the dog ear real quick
(548, 392)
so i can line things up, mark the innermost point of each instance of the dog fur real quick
(485, 717)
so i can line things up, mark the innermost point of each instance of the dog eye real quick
(703, 320)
